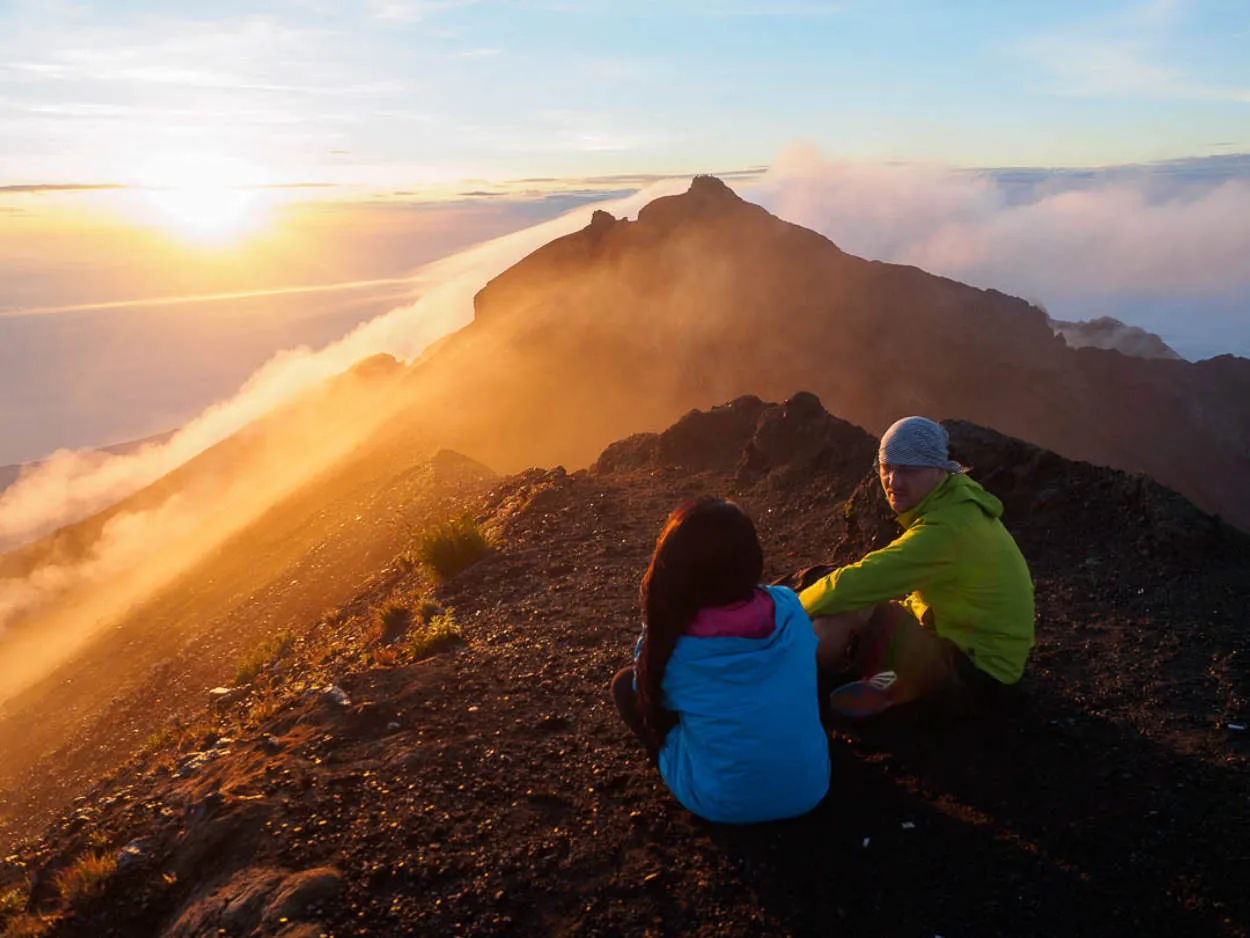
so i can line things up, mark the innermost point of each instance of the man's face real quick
(906, 486)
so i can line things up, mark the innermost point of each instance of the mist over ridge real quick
(79, 581)
(1158, 246)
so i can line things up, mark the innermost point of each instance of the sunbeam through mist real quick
(137, 551)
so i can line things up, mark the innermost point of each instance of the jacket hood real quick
(953, 490)
(746, 660)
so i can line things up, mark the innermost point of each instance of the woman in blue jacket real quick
(723, 687)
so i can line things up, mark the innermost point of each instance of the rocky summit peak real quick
(601, 219)
(711, 187)
(707, 197)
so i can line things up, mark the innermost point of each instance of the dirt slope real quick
(303, 557)
(489, 790)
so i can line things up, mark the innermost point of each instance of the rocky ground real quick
(356, 788)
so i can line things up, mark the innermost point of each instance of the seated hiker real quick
(723, 688)
(965, 626)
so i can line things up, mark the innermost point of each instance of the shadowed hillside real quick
(487, 788)
(626, 325)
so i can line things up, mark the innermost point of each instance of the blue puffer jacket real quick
(749, 745)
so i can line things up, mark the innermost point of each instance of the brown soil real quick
(492, 790)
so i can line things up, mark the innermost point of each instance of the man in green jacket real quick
(963, 620)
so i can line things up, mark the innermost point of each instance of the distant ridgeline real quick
(625, 325)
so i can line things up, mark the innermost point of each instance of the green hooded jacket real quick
(962, 572)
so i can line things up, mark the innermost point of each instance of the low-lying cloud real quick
(72, 485)
(1160, 246)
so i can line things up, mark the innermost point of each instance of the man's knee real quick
(835, 636)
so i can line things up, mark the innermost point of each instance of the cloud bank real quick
(72, 485)
(1161, 246)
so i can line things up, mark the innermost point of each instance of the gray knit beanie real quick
(916, 441)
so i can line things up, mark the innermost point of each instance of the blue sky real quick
(396, 92)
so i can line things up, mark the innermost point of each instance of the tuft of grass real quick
(174, 736)
(85, 878)
(407, 562)
(384, 657)
(392, 621)
(26, 926)
(334, 618)
(12, 901)
(427, 610)
(163, 738)
(452, 546)
(439, 634)
(264, 654)
(264, 704)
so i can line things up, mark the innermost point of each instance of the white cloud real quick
(1105, 241)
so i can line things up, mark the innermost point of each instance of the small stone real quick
(221, 697)
(132, 854)
(336, 694)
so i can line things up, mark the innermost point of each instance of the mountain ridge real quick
(491, 789)
(619, 328)
(705, 296)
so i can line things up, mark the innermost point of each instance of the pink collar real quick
(750, 618)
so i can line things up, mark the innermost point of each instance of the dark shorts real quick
(926, 664)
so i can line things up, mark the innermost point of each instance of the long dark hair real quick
(706, 555)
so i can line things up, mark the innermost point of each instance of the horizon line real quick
(342, 286)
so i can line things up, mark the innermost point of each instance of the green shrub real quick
(262, 656)
(439, 634)
(452, 546)
(86, 877)
(393, 620)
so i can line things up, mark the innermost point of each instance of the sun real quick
(203, 198)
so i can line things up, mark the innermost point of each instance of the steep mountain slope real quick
(491, 790)
(619, 328)
(625, 325)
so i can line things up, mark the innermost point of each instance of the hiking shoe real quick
(865, 697)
